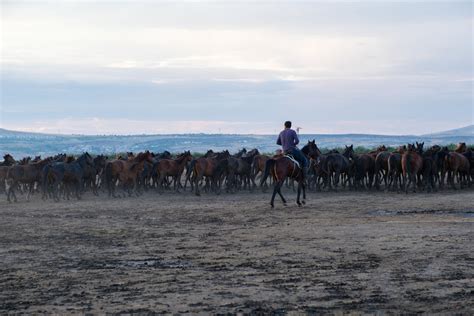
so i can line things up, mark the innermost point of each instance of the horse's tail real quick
(268, 165)
(253, 170)
(109, 177)
(189, 171)
(327, 165)
(389, 164)
(193, 168)
(408, 164)
(190, 168)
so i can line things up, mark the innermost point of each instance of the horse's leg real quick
(280, 194)
(371, 180)
(197, 179)
(8, 188)
(275, 190)
(413, 180)
(79, 185)
(30, 191)
(405, 183)
(336, 179)
(303, 186)
(298, 194)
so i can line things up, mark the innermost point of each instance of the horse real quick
(363, 168)
(27, 174)
(258, 165)
(206, 167)
(240, 169)
(173, 168)
(336, 164)
(126, 172)
(381, 168)
(412, 165)
(4, 166)
(281, 168)
(429, 169)
(67, 173)
(457, 165)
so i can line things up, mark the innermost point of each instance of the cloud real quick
(236, 61)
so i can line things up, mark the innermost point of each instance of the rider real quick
(288, 139)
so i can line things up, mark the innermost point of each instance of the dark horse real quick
(336, 164)
(26, 174)
(280, 168)
(66, 173)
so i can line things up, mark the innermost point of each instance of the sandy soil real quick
(177, 253)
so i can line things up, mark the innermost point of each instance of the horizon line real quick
(232, 134)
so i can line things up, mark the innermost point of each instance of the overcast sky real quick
(125, 67)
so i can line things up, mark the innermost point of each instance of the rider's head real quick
(288, 124)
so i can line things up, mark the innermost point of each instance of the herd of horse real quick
(408, 168)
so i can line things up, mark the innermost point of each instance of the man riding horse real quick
(288, 139)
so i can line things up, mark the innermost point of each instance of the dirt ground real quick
(178, 253)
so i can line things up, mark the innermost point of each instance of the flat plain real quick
(365, 252)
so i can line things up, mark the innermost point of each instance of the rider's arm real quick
(296, 139)
(279, 139)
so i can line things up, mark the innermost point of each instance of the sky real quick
(134, 67)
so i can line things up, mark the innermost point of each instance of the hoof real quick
(303, 202)
(284, 204)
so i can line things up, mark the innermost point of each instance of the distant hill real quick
(21, 144)
(467, 131)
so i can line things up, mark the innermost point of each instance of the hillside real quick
(21, 144)
(463, 131)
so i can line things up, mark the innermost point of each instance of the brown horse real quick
(126, 172)
(412, 165)
(381, 168)
(281, 168)
(258, 165)
(363, 170)
(172, 167)
(457, 165)
(4, 166)
(206, 167)
(27, 174)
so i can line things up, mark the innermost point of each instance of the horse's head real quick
(401, 149)
(209, 153)
(99, 161)
(241, 153)
(435, 148)
(419, 147)
(460, 148)
(85, 160)
(381, 148)
(8, 160)
(222, 155)
(165, 155)
(254, 152)
(146, 156)
(186, 156)
(311, 149)
(349, 151)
